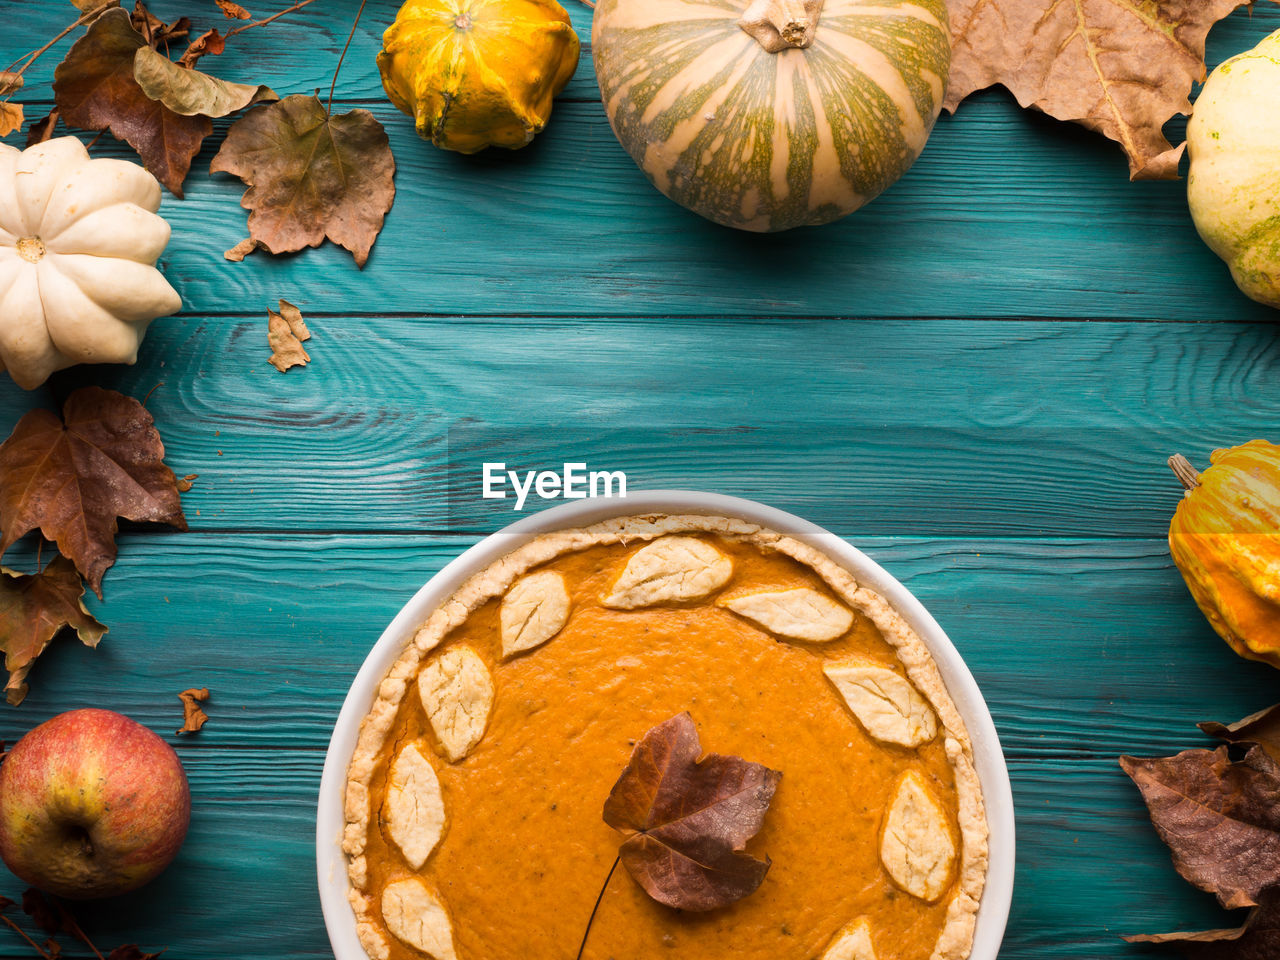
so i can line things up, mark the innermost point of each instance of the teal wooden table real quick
(977, 380)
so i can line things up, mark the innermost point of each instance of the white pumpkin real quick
(1233, 187)
(79, 240)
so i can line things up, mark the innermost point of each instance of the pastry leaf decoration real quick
(687, 821)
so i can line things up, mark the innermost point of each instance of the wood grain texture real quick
(1058, 232)
(891, 427)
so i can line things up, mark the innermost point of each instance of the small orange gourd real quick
(1225, 539)
(478, 73)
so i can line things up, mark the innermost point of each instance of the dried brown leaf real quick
(310, 175)
(211, 42)
(72, 477)
(242, 249)
(1261, 728)
(154, 30)
(191, 92)
(9, 82)
(10, 117)
(130, 951)
(85, 6)
(232, 11)
(286, 332)
(95, 89)
(1258, 939)
(42, 130)
(193, 718)
(33, 609)
(1120, 67)
(1220, 818)
(688, 820)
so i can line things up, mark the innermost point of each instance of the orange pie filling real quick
(475, 827)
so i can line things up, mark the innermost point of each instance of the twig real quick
(587, 3)
(591, 919)
(275, 16)
(350, 36)
(34, 55)
(22, 933)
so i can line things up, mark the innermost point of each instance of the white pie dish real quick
(988, 758)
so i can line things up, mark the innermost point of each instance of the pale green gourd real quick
(1233, 188)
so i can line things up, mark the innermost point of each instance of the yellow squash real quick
(478, 73)
(1225, 538)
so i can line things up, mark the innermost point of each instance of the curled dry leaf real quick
(688, 821)
(1120, 67)
(286, 331)
(33, 608)
(10, 82)
(94, 88)
(1261, 728)
(310, 176)
(72, 477)
(232, 11)
(191, 92)
(209, 42)
(1258, 939)
(10, 117)
(193, 717)
(1220, 818)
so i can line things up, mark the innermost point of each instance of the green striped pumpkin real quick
(763, 140)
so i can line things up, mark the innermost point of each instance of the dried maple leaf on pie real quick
(1120, 67)
(311, 175)
(688, 820)
(95, 89)
(71, 477)
(1221, 818)
(33, 609)
(1257, 939)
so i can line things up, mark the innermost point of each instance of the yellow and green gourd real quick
(478, 73)
(772, 114)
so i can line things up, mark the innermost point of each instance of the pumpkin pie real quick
(474, 797)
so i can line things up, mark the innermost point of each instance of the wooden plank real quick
(895, 427)
(1082, 648)
(1000, 218)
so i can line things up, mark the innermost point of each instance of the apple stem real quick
(23, 934)
(591, 919)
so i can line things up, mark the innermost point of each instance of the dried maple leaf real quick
(1258, 939)
(72, 477)
(94, 88)
(689, 820)
(189, 91)
(1220, 818)
(1261, 728)
(1120, 67)
(232, 11)
(10, 117)
(310, 175)
(285, 332)
(33, 608)
(193, 718)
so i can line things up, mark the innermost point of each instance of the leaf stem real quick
(591, 919)
(328, 109)
(34, 55)
(275, 16)
(1186, 472)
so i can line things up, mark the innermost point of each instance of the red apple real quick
(92, 804)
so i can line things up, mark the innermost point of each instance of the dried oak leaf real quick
(1220, 818)
(10, 117)
(232, 11)
(191, 92)
(1261, 728)
(193, 718)
(72, 477)
(688, 821)
(286, 331)
(33, 608)
(1258, 939)
(1120, 67)
(94, 88)
(310, 175)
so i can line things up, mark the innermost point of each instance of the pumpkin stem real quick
(779, 25)
(1188, 474)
